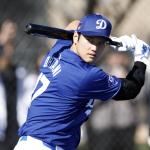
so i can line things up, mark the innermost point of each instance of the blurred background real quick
(113, 125)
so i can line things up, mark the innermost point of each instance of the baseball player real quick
(69, 81)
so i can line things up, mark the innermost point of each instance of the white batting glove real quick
(142, 50)
(128, 43)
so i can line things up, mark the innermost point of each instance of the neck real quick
(74, 48)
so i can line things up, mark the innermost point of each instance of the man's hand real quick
(142, 50)
(127, 43)
(138, 47)
(73, 25)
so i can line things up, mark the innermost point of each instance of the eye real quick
(99, 42)
(96, 41)
(90, 39)
(102, 42)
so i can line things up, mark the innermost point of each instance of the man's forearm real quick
(132, 84)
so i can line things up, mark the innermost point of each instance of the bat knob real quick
(28, 28)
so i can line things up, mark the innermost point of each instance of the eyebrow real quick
(99, 39)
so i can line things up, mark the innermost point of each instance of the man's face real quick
(90, 48)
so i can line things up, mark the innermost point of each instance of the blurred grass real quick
(142, 147)
(138, 147)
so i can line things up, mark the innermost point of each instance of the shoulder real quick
(60, 44)
(97, 77)
(95, 73)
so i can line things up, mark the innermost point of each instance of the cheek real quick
(83, 48)
(84, 45)
(100, 50)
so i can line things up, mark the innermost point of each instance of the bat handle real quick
(118, 44)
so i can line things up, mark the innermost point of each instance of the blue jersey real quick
(64, 95)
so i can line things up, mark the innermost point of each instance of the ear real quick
(75, 37)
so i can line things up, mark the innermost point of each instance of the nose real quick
(93, 47)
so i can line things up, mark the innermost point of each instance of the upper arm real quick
(99, 85)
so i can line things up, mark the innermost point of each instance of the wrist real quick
(141, 58)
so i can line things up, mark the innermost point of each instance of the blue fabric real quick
(95, 25)
(64, 98)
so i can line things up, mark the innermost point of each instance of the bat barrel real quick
(50, 32)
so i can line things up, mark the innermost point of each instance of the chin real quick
(91, 61)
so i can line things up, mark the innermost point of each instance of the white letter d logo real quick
(101, 24)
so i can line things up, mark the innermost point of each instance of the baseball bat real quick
(55, 33)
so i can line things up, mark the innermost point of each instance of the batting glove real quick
(128, 43)
(142, 50)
